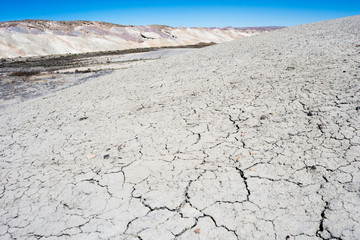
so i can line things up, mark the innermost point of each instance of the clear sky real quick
(206, 13)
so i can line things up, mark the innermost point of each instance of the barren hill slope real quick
(43, 37)
(258, 138)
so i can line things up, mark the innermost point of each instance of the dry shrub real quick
(24, 73)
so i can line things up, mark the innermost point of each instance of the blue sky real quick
(182, 13)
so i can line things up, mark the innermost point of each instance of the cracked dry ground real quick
(255, 139)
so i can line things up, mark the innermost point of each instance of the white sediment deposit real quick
(258, 138)
(43, 37)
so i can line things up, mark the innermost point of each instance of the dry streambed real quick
(26, 78)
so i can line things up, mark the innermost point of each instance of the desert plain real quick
(258, 138)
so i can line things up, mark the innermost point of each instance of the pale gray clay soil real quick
(254, 139)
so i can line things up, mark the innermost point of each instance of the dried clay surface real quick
(258, 138)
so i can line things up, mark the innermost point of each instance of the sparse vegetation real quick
(24, 73)
(83, 71)
(57, 62)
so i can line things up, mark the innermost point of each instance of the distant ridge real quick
(45, 37)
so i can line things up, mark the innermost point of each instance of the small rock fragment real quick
(121, 146)
(83, 118)
(313, 167)
(290, 68)
(90, 156)
(238, 158)
(321, 126)
(310, 114)
(106, 156)
(287, 237)
(357, 108)
(263, 117)
(197, 231)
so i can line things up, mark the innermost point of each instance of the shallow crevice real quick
(241, 172)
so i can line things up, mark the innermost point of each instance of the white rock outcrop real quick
(41, 37)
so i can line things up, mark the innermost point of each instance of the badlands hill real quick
(258, 138)
(42, 37)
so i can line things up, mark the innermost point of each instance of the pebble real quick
(106, 156)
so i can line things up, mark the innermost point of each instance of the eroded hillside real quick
(43, 37)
